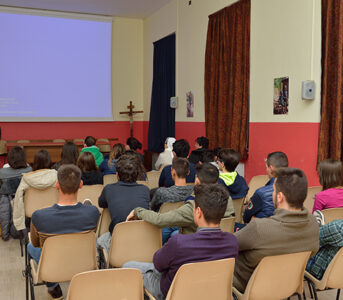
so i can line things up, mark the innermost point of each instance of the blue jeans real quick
(168, 232)
(35, 254)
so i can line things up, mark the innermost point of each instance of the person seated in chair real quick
(67, 216)
(291, 229)
(228, 160)
(89, 146)
(208, 243)
(201, 143)
(180, 149)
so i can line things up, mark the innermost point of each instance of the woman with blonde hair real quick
(108, 166)
(331, 178)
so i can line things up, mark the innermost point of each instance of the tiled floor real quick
(12, 283)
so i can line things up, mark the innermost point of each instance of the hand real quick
(131, 216)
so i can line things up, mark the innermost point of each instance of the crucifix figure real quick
(131, 112)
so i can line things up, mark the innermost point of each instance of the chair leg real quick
(32, 289)
(338, 294)
(299, 296)
(314, 290)
(309, 288)
(234, 296)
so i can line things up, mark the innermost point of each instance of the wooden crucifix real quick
(130, 113)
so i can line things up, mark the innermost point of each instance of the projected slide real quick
(54, 68)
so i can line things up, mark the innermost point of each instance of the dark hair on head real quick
(207, 156)
(42, 160)
(212, 200)
(181, 148)
(292, 183)
(90, 141)
(133, 143)
(69, 154)
(69, 178)
(203, 142)
(181, 166)
(230, 158)
(277, 159)
(134, 155)
(128, 168)
(216, 151)
(16, 158)
(86, 162)
(207, 173)
(330, 173)
(117, 150)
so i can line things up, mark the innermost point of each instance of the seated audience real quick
(89, 146)
(208, 157)
(123, 196)
(330, 242)
(201, 143)
(228, 160)
(108, 166)
(67, 216)
(90, 173)
(40, 178)
(134, 144)
(9, 181)
(216, 152)
(182, 217)
(331, 178)
(261, 202)
(69, 155)
(177, 192)
(208, 243)
(291, 229)
(180, 149)
(141, 170)
(166, 157)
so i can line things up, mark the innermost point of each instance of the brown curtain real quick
(330, 137)
(227, 77)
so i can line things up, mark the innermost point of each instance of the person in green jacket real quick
(89, 146)
(182, 217)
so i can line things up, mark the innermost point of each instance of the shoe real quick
(56, 293)
(87, 202)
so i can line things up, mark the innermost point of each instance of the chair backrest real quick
(332, 214)
(227, 224)
(104, 222)
(255, 183)
(35, 199)
(311, 193)
(91, 192)
(203, 280)
(238, 207)
(134, 240)
(277, 277)
(65, 255)
(110, 284)
(167, 206)
(58, 140)
(110, 178)
(144, 182)
(153, 178)
(334, 272)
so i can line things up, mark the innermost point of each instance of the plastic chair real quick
(332, 214)
(91, 192)
(104, 222)
(134, 240)
(111, 284)
(238, 207)
(255, 183)
(202, 281)
(311, 193)
(110, 178)
(62, 257)
(332, 278)
(168, 206)
(276, 277)
(153, 178)
(227, 224)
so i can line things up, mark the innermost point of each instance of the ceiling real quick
(123, 8)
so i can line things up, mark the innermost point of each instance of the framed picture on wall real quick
(281, 96)
(190, 104)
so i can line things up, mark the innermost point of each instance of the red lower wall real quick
(298, 140)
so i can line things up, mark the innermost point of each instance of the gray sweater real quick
(170, 194)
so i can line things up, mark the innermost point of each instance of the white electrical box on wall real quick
(173, 102)
(308, 90)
